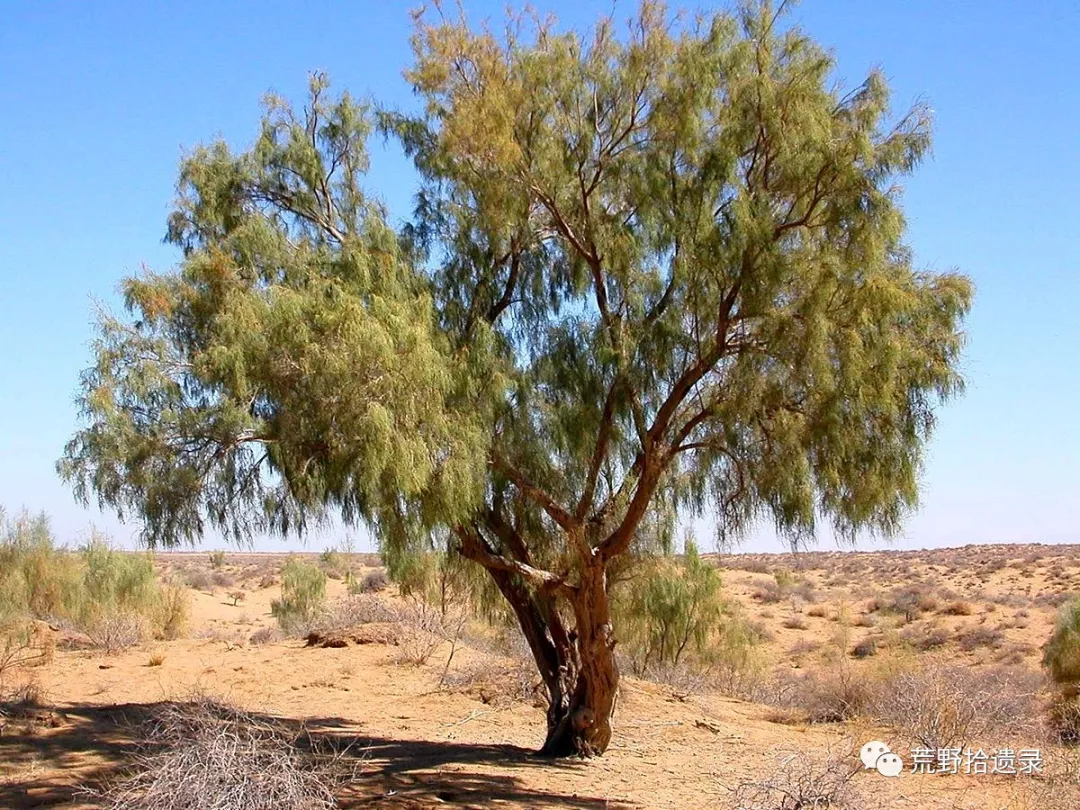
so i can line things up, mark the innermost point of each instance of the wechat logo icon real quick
(877, 756)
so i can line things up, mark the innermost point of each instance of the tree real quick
(647, 276)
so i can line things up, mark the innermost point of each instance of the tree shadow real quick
(50, 757)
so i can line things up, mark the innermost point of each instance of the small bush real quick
(947, 707)
(926, 638)
(795, 622)
(237, 597)
(958, 608)
(865, 648)
(199, 580)
(115, 632)
(373, 582)
(217, 560)
(303, 592)
(1061, 656)
(267, 635)
(972, 638)
(671, 611)
(802, 782)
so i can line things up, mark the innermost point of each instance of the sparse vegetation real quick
(113, 596)
(303, 592)
(208, 754)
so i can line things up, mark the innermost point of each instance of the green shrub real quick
(670, 610)
(303, 592)
(111, 595)
(217, 560)
(1061, 656)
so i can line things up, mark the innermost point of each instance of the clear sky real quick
(98, 100)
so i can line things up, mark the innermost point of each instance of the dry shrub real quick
(207, 755)
(823, 697)
(373, 582)
(115, 632)
(498, 681)
(424, 630)
(795, 622)
(948, 707)
(1064, 715)
(802, 781)
(865, 648)
(926, 638)
(267, 635)
(972, 638)
(958, 607)
(173, 610)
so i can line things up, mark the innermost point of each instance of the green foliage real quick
(37, 579)
(303, 592)
(671, 609)
(604, 228)
(88, 587)
(1061, 656)
(446, 581)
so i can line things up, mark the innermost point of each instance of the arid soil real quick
(417, 738)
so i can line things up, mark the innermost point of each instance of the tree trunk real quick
(582, 724)
(578, 666)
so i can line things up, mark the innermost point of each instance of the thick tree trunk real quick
(581, 724)
(577, 666)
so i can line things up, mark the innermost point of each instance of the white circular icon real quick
(871, 751)
(889, 764)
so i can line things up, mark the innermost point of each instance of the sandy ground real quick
(419, 745)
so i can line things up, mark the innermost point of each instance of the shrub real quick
(926, 638)
(800, 781)
(266, 635)
(208, 754)
(199, 580)
(910, 601)
(865, 648)
(116, 631)
(217, 560)
(373, 582)
(946, 707)
(971, 638)
(101, 590)
(795, 622)
(237, 597)
(670, 610)
(1061, 655)
(173, 609)
(958, 608)
(303, 592)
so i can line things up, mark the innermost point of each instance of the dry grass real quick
(208, 755)
(800, 781)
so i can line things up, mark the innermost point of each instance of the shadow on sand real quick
(49, 757)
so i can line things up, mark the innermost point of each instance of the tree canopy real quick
(651, 272)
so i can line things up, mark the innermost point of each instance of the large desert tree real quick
(652, 272)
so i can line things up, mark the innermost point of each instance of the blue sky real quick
(98, 100)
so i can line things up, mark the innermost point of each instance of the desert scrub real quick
(303, 592)
(112, 595)
(669, 611)
(1061, 657)
(206, 753)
